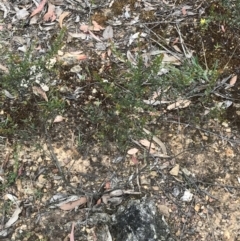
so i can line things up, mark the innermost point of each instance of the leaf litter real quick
(46, 16)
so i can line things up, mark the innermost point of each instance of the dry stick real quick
(220, 185)
(230, 57)
(105, 181)
(204, 55)
(136, 175)
(55, 159)
(199, 5)
(3, 218)
(158, 22)
(192, 182)
(162, 46)
(209, 194)
(185, 50)
(138, 178)
(184, 223)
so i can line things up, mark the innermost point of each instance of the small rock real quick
(76, 69)
(33, 168)
(197, 207)
(225, 124)
(139, 220)
(144, 180)
(205, 138)
(41, 181)
(163, 209)
(154, 174)
(59, 189)
(155, 188)
(175, 170)
(187, 196)
(64, 89)
(200, 224)
(228, 130)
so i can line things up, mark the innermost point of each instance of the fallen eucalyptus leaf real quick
(132, 151)
(180, 104)
(39, 91)
(14, 217)
(72, 205)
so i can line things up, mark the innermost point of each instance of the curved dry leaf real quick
(161, 155)
(8, 94)
(4, 68)
(76, 52)
(14, 217)
(107, 185)
(5, 9)
(109, 52)
(11, 197)
(62, 16)
(50, 15)
(72, 205)
(180, 104)
(81, 57)
(131, 192)
(105, 198)
(177, 48)
(38, 91)
(39, 8)
(72, 232)
(58, 118)
(116, 193)
(78, 35)
(94, 36)
(223, 29)
(147, 143)
(96, 26)
(84, 28)
(184, 11)
(132, 151)
(158, 141)
(134, 160)
(170, 59)
(131, 59)
(71, 58)
(233, 80)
